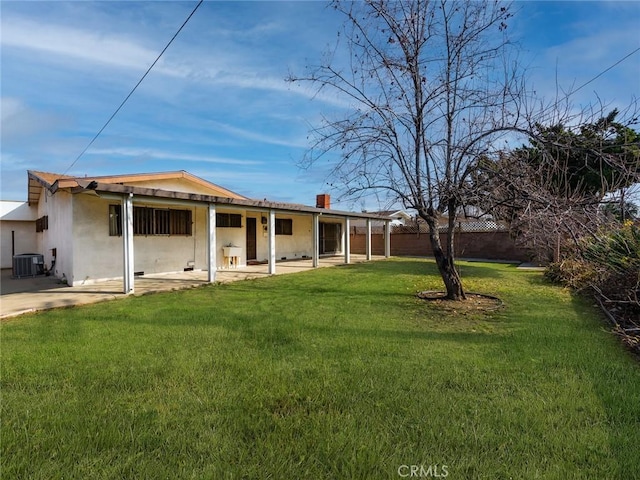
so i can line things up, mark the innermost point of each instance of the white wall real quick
(290, 246)
(86, 253)
(17, 230)
(99, 256)
(59, 235)
(24, 239)
(236, 237)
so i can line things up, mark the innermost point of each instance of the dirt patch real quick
(475, 302)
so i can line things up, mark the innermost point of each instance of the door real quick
(251, 239)
(330, 237)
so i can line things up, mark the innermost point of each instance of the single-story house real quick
(99, 228)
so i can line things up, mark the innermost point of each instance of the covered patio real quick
(212, 242)
(25, 295)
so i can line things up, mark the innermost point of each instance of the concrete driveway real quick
(24, 295)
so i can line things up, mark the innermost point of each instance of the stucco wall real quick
(158, 253)
(287, 246)
(86, 253)
(59, 208)
(167, 253)
(99, 256)
(236, 237)
(24, 238)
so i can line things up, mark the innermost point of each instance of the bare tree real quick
(431, 86)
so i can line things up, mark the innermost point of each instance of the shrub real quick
(607, 266)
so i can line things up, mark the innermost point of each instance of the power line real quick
(606, 70)
(572, 92)
(133, 89)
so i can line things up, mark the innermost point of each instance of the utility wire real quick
(606, 70)
(133, 89)
(572, 92)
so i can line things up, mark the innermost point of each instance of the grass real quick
(337, 373)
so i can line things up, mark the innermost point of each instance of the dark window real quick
(161, 222)
(228, 220)
(42, 224)
(152, 221)
(284, 226)
(142, 221)
(180, 222)
(115, 222)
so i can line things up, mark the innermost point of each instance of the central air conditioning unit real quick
(28, 265)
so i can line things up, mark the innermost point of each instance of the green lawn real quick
(337, 373)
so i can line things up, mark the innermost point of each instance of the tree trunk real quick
(445, 263)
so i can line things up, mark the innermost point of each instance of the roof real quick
(55, 181)
(17, 211)
(125, 184)
(393, 213)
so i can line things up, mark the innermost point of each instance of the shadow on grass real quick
(608, 366)
(424, 266)
(405, 336)
(478, 271)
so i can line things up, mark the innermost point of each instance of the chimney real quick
(323, 200)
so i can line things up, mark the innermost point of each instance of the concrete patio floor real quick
(24, 295)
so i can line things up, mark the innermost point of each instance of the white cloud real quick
(19, 121)
(75, 43)
(152, 154)
(258, 137)
(216, 66)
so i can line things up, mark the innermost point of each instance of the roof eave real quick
(201, 198)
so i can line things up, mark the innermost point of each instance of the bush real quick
(607, 266)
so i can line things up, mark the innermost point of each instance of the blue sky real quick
(216, 104)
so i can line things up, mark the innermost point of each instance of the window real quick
(115, 224)
(228, 220)
(161, 221)
(42, 224)
(284, 226)
(142, 221)
(152, 221)
(180, 222)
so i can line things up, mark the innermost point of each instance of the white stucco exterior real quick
(83, 242)
(93, 255)
(98, 255)
(58, 235)
(288, 247)
(17, 231)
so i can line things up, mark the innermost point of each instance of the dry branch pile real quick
(607, 267)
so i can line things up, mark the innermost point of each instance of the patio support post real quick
(315, 235)
(212, 261)
(272, 242)
(127, 239)
(387, 238)
(368, 242)
(347, 241)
